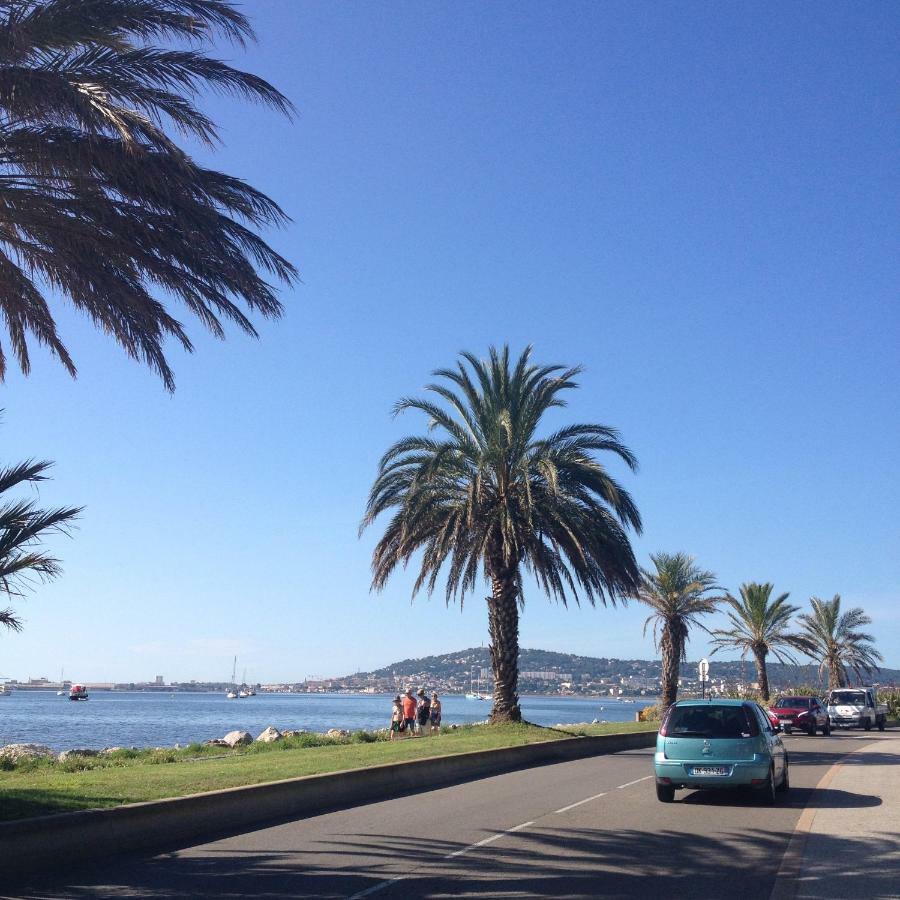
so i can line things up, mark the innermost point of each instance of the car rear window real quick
(792, 703)
(710, 722)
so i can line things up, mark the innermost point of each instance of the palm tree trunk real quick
(762, 676)
(503, 623)
(670, 668)
(835, 675)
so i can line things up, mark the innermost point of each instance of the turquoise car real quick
(713, 744)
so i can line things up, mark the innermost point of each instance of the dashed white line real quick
(488, 840)
(586, 800)
(636, 781)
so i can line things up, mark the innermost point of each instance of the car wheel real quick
(665, 793)
(827, 729)
(767, 791)
(881, 724)
(785, 785)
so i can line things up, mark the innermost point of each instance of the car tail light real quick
(664, 728)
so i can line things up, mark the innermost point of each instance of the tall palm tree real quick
(488, 495)
(22, 526)
(759, 625)
(98, 204)
(837, 643)
(678, 593)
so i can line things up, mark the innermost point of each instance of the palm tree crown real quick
(489, 496)
(22, 525)
(678, 593)
(97, 202)
(760, 626)
(837, 643)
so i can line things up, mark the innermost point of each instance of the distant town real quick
(540, 672)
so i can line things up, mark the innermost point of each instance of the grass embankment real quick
(41, 787)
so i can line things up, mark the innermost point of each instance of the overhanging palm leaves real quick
(97, 203)
(760, 626)
(837, 643)
(488, 496)
(22, 526)
(678, 593)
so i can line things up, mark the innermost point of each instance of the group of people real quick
(415, 715)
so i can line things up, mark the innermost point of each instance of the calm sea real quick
(126, 719)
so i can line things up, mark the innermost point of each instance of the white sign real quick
(703, 669)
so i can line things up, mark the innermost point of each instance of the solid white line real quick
(378, 887)
(636, 781)
(586, 800)
(488, 840)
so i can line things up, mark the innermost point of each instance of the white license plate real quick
(709, 770)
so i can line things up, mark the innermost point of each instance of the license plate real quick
(709, 770)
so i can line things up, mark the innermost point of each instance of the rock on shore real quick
(236, 738)
(18, 752)
(270, 735)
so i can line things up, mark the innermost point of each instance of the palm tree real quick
(759, 625)
(677, 592)
(22, 525)
(98, 204)
(837, 643)
(489, 496)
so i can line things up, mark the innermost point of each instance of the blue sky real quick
(697, 202)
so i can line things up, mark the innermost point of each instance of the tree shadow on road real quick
(537, 862)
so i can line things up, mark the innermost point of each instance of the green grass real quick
(42, 787)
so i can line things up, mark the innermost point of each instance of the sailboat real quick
(244, 691)
(232, 693)
(473, 694)
(62, 691)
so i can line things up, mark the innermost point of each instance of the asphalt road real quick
(590, 828)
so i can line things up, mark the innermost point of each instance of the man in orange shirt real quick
(409, 712)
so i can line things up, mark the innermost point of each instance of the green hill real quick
(552, 668)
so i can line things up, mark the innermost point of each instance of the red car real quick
(804, 713)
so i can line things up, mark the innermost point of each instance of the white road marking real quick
(488, 840)
(636, 781)
(378, 887)
(586, 800)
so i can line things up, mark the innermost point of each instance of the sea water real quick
(139, 719)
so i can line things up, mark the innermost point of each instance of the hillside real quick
(548, 671)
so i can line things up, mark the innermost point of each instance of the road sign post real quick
(703, 670)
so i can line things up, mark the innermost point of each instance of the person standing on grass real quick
(423, 713)
(397, 718)
(435, 714)
(409, 712)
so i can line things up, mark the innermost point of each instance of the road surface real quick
(590, 828)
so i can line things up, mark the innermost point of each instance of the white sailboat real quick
(476, 694)
(232, 693)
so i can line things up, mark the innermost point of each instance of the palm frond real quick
(97, 202)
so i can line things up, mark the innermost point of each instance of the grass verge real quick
(42, 787)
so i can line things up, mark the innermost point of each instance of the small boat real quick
(78, 692)
(5, 691)
(231, 695)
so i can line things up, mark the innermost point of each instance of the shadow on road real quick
(539, 862)
(797, 798)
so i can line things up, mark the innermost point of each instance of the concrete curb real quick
(41, 844)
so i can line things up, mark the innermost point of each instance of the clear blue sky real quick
(696, 201)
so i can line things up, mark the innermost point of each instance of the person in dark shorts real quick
(409, 712)
(397, 727)
(435, 714)
(423, 713)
